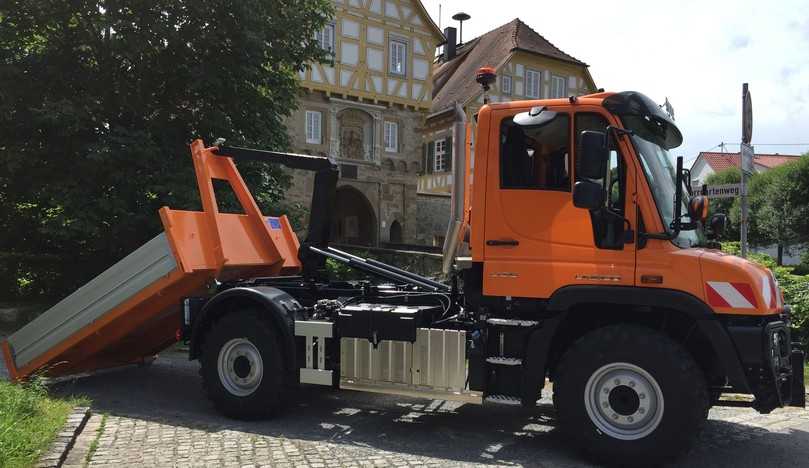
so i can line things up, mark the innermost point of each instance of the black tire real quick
(674, 375)
(270, 393)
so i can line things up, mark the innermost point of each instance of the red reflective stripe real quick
(714, 298)
(746, 291)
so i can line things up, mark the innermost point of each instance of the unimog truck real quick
(575, 255)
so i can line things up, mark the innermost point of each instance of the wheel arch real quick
(681, 316)
(279, 308)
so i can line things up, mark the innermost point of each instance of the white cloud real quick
(696, 53)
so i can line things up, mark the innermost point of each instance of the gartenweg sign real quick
(721, 191)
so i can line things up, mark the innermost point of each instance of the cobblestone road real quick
(157, 416)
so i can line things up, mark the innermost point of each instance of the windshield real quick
(654, 134)
(661, 175)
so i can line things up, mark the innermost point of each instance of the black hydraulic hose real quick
(392, 269)
(361, 265)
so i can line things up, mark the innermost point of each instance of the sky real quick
(695, 53)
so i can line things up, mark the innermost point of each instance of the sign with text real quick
(721, 191)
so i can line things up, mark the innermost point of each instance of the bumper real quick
(772, 364)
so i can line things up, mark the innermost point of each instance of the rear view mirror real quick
(591, 161)
(588, 194)
(698, 208)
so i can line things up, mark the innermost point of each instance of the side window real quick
(615, 179)
(535, 158)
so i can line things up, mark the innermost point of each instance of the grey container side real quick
(135, 272)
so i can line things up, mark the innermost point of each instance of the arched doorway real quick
(354, 218)
(395, 233)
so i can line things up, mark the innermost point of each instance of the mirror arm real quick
(676, 225)
(619, 131)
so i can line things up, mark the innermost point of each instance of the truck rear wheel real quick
(630, 395)
(242, 366)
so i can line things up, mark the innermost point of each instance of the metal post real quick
(744, 213)
(746, 153)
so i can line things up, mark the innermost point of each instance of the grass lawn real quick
(29, 420)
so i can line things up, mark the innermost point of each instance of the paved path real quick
(157, 416)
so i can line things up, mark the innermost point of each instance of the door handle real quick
(502, 242)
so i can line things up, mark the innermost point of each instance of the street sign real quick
(747, 158)
(747, 115)
(721, 191)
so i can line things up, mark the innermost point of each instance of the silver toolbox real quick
(436, 361)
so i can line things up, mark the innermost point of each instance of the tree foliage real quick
(98, 103)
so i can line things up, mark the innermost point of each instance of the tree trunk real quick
(780, 259)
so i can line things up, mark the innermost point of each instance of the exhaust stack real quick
(451, 240)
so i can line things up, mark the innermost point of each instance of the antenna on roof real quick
(461, 17)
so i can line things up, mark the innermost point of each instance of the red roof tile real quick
(721, 161)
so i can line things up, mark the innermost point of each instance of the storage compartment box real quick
(378, 322)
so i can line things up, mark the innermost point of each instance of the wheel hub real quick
(624, 401)
(240, 367)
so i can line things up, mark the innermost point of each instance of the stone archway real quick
(354, 219)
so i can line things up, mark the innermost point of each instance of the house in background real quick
(528, 66)
(366, 110)
(708, 163)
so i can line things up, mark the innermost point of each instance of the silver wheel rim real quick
(624, 401)
(240, 367)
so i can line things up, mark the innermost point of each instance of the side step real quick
(501, 322)
(503, 400)
(504, 361)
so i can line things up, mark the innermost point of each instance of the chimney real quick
(451, 47)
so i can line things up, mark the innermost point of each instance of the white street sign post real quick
(746, 154)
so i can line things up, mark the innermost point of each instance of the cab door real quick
(535, 240)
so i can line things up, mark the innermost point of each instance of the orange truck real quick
(585, 263)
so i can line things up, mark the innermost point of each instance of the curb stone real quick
(55, 456)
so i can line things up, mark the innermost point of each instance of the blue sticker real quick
(275, 224)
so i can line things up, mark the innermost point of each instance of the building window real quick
(532, 82)
(440, 157)
(398, 57)
(313, 129)
(391, 137)
(325, 37)
(505, 85)
(558, 87)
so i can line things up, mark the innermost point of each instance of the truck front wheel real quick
(630, 395)
(242, 367)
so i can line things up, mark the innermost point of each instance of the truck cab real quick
(578, 214)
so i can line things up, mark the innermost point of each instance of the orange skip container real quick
(134, 309)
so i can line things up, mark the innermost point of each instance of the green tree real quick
(98, 102)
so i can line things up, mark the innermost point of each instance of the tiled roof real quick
(721, 161)
(454, 81)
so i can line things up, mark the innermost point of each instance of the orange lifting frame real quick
(206, 245)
